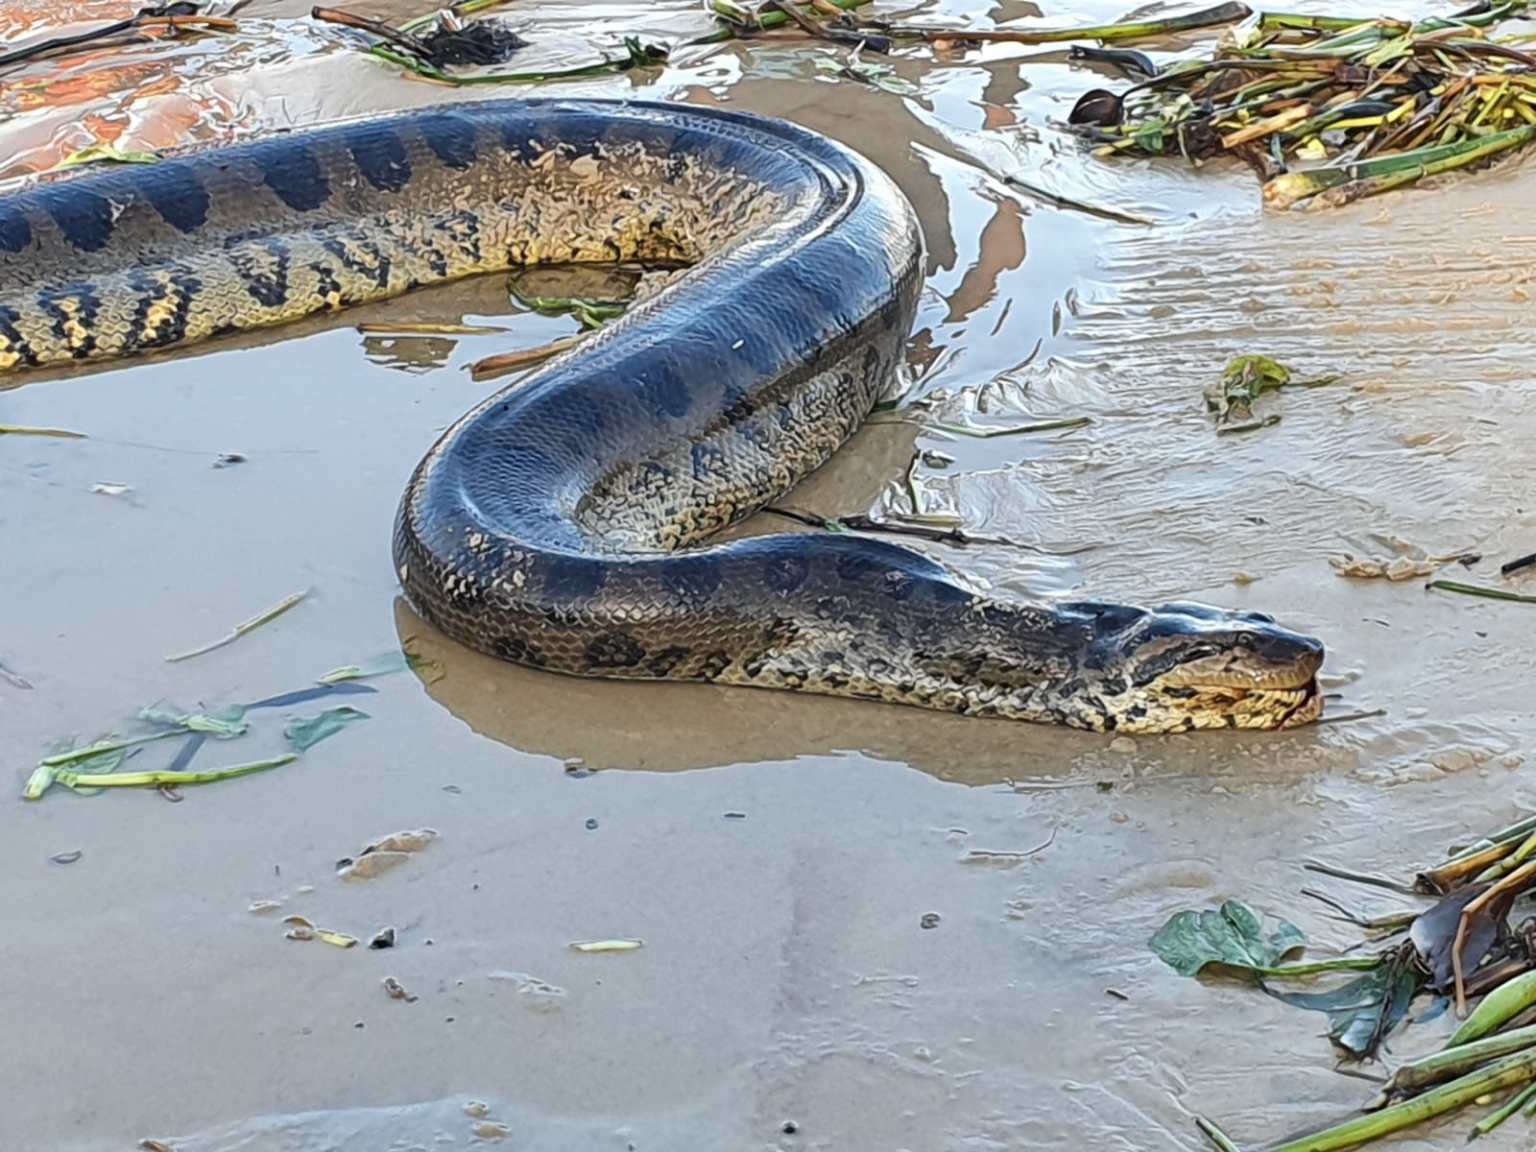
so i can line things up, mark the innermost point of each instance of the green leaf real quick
(304, 733)
(108, 153)
(1232, 937)
(1361, 1012)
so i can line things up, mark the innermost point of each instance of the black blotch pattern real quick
(380, 156)
(574, 577)
(615, 650)
(177, 195)
(328, 284)
(856, 567)
(293, 173)
(665, 391)
(713, 663)
(361, 256)
(265, 274)
(14, 340)
(463, 228)
(15, 229)
(692, 581)
(86, 305)
(665, 662)
(786, 572)
(452, 140)
(182, 286)
(83, 217)
(517, 650)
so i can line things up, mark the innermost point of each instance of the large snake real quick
(566, 522)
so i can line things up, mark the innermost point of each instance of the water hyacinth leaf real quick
(1230, 937)
(1362, 1011)
(304, 733)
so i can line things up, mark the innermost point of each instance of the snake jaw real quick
(1194, 667)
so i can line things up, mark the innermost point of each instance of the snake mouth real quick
(1268, 708)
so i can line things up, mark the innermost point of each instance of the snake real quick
(583, 519)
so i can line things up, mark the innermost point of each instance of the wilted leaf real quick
(1232, 937)
(304, 733)
(1361, 1012)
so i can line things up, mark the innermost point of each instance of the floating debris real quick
(1328, 110)
(303, 928)
(24, 430)
(69, 857)
(241, 629)
(1243, 381)
(383, 854)
(111, 489)
(607, 945)
(1465, 943)
(303, 733)
(396, 991)
(383, 938)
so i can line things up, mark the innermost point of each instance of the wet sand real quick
(777, 855)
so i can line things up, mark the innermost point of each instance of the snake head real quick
(1183, 666)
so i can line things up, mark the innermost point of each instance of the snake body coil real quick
(565, 523)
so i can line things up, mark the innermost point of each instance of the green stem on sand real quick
(1496, 1077)
(168, 779)
(1479, 589)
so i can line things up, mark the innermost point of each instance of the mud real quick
(776, 855)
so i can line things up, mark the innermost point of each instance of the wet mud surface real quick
(777, 856)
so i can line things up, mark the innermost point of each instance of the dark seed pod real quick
(1099, 107)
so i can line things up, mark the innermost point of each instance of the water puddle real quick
(825, 962)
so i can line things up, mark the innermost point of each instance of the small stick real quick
(383, 31)
(506, 361)
(820, 31)
(25, 430)
(1517, 564)
(242, 628)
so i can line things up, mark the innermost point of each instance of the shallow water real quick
(785, 975)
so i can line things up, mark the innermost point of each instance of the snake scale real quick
(567, 522)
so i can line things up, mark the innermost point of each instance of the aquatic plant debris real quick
(1328, 110)
(1243, 381)
(1232, 936)
(25, 430)
(1464, 939)
(239, 630)
(303, 733)
(607, 945)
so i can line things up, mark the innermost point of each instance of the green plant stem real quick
(243, 627)
(764, 20)
(1479, 589)
(1215, 1135)
(1491, 1121)
(1507, 1073)
(168, 779)
(1229, 13)
(1449, 1063)
(98, 749)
